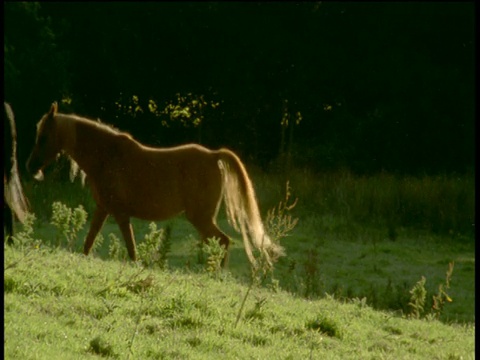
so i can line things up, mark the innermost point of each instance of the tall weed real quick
(214, 254)
(417, 299)
(155, 247)
(279, 221)
(25, 236)
(441, 297)
(419, 296)
(68, 222)
(115, 248)
(279, 224)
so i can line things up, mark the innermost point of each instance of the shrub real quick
(155, 247)
(68, 222)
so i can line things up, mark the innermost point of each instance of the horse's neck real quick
(82, 141)
(66, 134)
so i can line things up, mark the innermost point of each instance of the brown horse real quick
(15, 202)
(128, 179)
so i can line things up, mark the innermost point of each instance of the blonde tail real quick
(12, 186)
(242, 208)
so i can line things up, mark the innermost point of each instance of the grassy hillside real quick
(379, 267)
(62, 305)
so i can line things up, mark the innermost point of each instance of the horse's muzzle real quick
(35, 169)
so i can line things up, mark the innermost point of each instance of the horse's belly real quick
(150, 205)
(153, 209)
(141, 202)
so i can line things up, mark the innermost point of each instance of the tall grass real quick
(442, 204)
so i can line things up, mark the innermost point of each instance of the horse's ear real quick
(53, 109)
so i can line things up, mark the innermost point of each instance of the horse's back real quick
(191, 169)
(158, 183)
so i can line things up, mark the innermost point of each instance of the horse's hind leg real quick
(208, 229)
(127, 232)
(98, 219)
(224, 240)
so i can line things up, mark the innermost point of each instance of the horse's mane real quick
(99, 124)
(75, 171)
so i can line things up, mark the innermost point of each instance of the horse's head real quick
(47, 145)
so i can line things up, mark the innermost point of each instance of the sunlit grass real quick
(64, 305)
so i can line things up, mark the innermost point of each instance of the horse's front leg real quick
(99, 217)
(127, 232)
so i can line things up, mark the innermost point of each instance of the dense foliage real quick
(364, 86)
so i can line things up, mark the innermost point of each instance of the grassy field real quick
(62, 305)
(344, 288)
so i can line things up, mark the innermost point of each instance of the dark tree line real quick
(367, 86)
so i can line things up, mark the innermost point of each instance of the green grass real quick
(343, 289)
(62, 305)
(333, 249)
(362, 262)
(326, 255)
